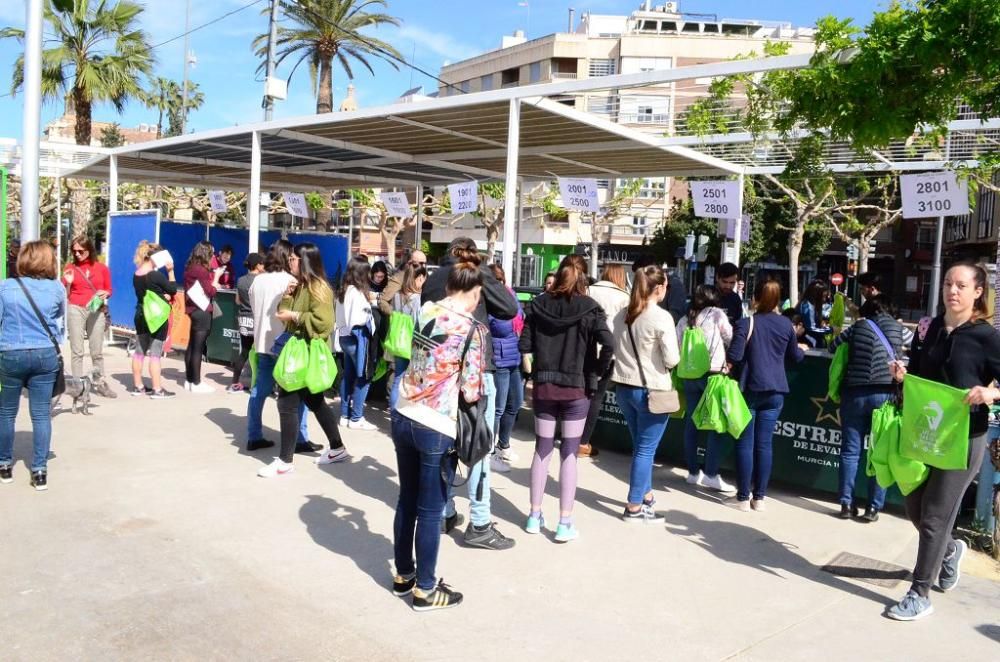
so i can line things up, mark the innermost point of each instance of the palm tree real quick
(325, 30)
(160, 96)
(96, 53)
(167, 97)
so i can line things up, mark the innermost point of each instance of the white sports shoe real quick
(694, 479)
(201, 388)
(361, 424)
(716, 483)
(498, 464)
(334, 456)
(276, 468)
(187, 385)
(507, 455)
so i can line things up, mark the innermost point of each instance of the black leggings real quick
(596, 402)
(201, 326)
(246, 344)
(288, 416)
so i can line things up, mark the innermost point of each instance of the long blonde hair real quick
(144, 251)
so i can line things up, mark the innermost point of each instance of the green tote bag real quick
(399, 339)
(293, 362)
(838, 367)
(695, 361)
(322, 369)
(155, 310)
(935, 424)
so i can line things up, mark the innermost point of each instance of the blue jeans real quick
(36, 370)
(753, 448)
(510, 397)
(693, 390)
(856, 422)
(400, 367)
(647, 430)
(259, 394)
(353, 389)
(422, 493)
(479, 511)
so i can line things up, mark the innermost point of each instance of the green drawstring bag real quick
(322, 369)
(838, 312)
(935, 424)
(708, 415)
(838, 367)
(293, 362)
(252, 360)
(695, 361)
(381, 369)
(884, 461)
(908, 474)
(155, 310)
(734, 406)
(399, 339)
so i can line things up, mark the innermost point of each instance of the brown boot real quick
(587, 450)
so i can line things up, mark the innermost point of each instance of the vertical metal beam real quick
(184, 92)
(113, 183)
(738, 239)
(935, 291)
(418, 217)
(253, 199)
(510, 185)
(59, 230)
(30, 132)
(514, 277)
(272, 38)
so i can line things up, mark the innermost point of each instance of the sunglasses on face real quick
(79, 251)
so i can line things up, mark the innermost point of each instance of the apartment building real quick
(650, 38)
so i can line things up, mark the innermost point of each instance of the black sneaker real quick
(442, 597)
(162, 394)
(401, 586)
(259, 444)
(871, 515)
(308, 447)
(6, 474)
(137, 391)
(487, 537)
(40, 480)
(845, 512)
(449, 524)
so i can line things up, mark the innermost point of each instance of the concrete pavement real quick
(156, 540)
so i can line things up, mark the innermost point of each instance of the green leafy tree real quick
(179, 110)
(94, 53)
(111, 136)
(325, 31)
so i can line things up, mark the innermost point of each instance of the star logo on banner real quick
(828, 410)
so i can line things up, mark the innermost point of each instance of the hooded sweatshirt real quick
(563, 334)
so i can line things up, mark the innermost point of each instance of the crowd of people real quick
(474, 346)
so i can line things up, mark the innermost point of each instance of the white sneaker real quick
(276, 468)
(334, 456)
(498, 464)
(201, 388)
(187, 385)
(362, 424)
(716, 483)
(694, 479)
(344, 422)
(507, 455)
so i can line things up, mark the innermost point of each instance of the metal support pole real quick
(935, 290)
(272, 37)
(510, 184)
(113, 183)
(184, 93)
(738, 239)
(253, 199)
(59, 228)
(30, 135)
(515, 276)
(418, 217)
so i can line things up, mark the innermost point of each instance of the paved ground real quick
(158, 541)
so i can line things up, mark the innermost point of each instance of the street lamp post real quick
(30, 129)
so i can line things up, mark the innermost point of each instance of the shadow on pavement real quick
(344, 530)
(235, 427)
(367, 476)
(744, 545)
(990, 631)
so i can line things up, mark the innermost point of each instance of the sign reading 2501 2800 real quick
(579, 194)
(718, 199)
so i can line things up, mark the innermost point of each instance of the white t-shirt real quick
(355, 311)
(265, 295)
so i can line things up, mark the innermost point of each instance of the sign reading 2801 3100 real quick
(579, 194)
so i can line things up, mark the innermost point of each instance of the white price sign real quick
(579, 194)
(463, 197)
(396, 203)
(934, 194)
(296, 203)
(217, 199)
(719, 199)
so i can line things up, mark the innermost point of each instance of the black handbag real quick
(59, 387)
(473, 439)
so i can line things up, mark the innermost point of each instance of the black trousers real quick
(288, 416)
(240, 362)
(933, 507)
(201, 326)
(595, 409)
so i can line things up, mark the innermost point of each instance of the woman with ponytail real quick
(962, 349)
(149, 344)
(308, 313)
(645, 352)
(562, 331)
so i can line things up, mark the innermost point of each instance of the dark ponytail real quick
(465, 274)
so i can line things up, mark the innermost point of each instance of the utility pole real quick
(184, 93)
(30, 229)
(272, 38)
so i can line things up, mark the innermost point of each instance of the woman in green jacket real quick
(307, 311)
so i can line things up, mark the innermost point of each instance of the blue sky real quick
(431, 34)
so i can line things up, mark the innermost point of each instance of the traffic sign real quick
(837, 280)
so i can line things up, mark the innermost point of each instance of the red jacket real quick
(81, 292)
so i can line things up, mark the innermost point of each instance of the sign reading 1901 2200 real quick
(579, 194)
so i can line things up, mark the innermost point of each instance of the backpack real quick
(695, 360)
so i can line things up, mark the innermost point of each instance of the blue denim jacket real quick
(19, 326)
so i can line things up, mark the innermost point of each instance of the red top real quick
(195, 273)
(80, 291)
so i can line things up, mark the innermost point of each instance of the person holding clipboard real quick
(200, 284)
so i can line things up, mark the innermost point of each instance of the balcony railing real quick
(643, 118)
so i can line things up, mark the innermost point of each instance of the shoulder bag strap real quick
(635, 350)
(881, 336)
(38, 314)
(465, 350)
(82, 273)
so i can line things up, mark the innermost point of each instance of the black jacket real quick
(563, 335)
(495, 299)
(968, 356)
(867, 358)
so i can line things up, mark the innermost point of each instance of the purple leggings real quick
(548, 414)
